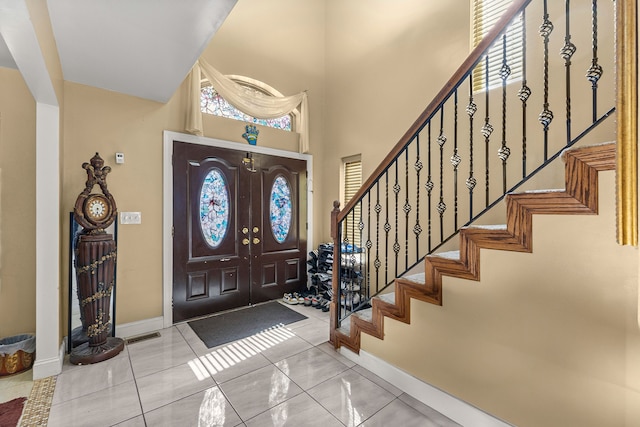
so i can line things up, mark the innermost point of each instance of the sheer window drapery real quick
(255, 104)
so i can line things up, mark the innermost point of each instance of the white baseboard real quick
(448, 405)
(49, 367)
(140, 327)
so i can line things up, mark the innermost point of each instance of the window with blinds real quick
(352, 181)
(485, 13)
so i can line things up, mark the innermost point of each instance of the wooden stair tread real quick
(580, 196)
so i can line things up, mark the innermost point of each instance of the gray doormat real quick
(235, 325)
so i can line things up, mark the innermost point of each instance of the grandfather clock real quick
(95, 266)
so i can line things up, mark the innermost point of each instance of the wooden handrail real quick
(467, 66)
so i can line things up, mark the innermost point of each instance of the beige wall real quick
(17, 205)
(385, 62)
(544, 339)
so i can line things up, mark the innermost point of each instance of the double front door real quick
(239, 228)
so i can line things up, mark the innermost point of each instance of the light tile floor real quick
(287, 376)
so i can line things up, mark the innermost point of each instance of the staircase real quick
(548, 337)
(579, 197)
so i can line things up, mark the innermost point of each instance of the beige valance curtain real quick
(255, 104)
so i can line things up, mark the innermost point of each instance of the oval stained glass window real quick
(214, 208)
(280, 209)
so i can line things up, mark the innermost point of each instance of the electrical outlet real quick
(120, 158)
(130, 218)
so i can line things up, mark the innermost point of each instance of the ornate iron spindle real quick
(595, 70)
(429, 187)
(387, 227)
(471, 181)
(546, 116)
(567, 52)
(378, 208)
(406, 208)
(504, 151)
(487, 128)
(442, 207)
(417, 230)
(455, 159)
(368, 245)
(524, 94)
(396, 243)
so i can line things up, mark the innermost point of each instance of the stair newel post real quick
(335, 280)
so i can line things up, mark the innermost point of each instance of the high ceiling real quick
(143, 48)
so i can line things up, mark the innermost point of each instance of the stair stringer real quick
(580, 197)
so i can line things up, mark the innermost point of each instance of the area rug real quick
(235, 325)
(36, 411)
(11, 411)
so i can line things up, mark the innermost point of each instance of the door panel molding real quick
(167, 222)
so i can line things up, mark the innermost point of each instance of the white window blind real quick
(352, 183)
(485, 14)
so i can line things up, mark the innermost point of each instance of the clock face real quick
(96, 208)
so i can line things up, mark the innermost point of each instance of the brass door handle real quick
(256, 229)
(256, 240)
(245, 241)
(245, 230)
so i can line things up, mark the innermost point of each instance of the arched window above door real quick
(211, 102)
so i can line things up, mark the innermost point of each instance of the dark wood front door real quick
(239, 228)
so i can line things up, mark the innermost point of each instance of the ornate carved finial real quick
(96, 174)
(336, 205)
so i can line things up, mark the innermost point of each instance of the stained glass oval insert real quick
(214, 208)
(280, 208)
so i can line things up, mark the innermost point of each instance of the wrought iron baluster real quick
(504, 151)
(471, 181)
(455, 159)
(406, 208)
(442, 207)
(567, 52)
(429, 187)
(595, 70)
(417, 229)
(524, 94)
(368, 245)
(378, 208)
(546, 116)
(396, 243)
(387, 227)
(487, 128)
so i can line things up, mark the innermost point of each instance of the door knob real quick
(256, 240)
(256, 229)
(245, 230)
(245, 241)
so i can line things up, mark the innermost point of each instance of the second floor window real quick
(485, 14)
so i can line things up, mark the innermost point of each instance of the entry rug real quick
(236, 325)
(11, 411)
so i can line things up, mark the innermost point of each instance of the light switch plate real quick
(130, 217)
(119, 158)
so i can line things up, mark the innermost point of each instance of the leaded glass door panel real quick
(279, 258)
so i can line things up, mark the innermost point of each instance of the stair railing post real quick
(335, 280)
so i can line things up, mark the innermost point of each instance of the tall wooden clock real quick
(95, 265)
